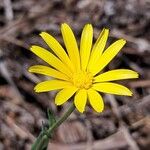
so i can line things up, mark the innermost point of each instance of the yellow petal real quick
(40, 69)
(50, 59)
(64, 95)
(71, 45)
(112, 88)
(51, 85)
(98, 48)
(95, 100)
(80, 100)
(118, 74)
(57, 48)
(107, 56)
(85, 45)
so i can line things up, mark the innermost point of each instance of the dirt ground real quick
(125, 122)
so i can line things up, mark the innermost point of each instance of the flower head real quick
(78, 71)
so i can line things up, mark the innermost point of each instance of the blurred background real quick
(125, 122)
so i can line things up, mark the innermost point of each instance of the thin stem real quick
(42, 140)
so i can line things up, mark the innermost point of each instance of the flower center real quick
(82, 79)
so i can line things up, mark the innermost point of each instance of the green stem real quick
(42, 140)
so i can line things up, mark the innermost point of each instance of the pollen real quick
(82, 79)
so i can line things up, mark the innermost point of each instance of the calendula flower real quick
(78, 72)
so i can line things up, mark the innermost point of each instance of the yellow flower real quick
(78, 71)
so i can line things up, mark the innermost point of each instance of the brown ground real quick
(125, 123)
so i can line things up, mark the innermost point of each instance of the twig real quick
(142, 44)
(140, 83)
(89, 135)
(126, 132)
(114, 141)
(125, 110)
(141, 122)
(129, 138)
(23, 133)
(5, 73)
(8, 10)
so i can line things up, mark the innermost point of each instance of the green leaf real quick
(51, 118)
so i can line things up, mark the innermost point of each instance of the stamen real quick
(82, 79)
